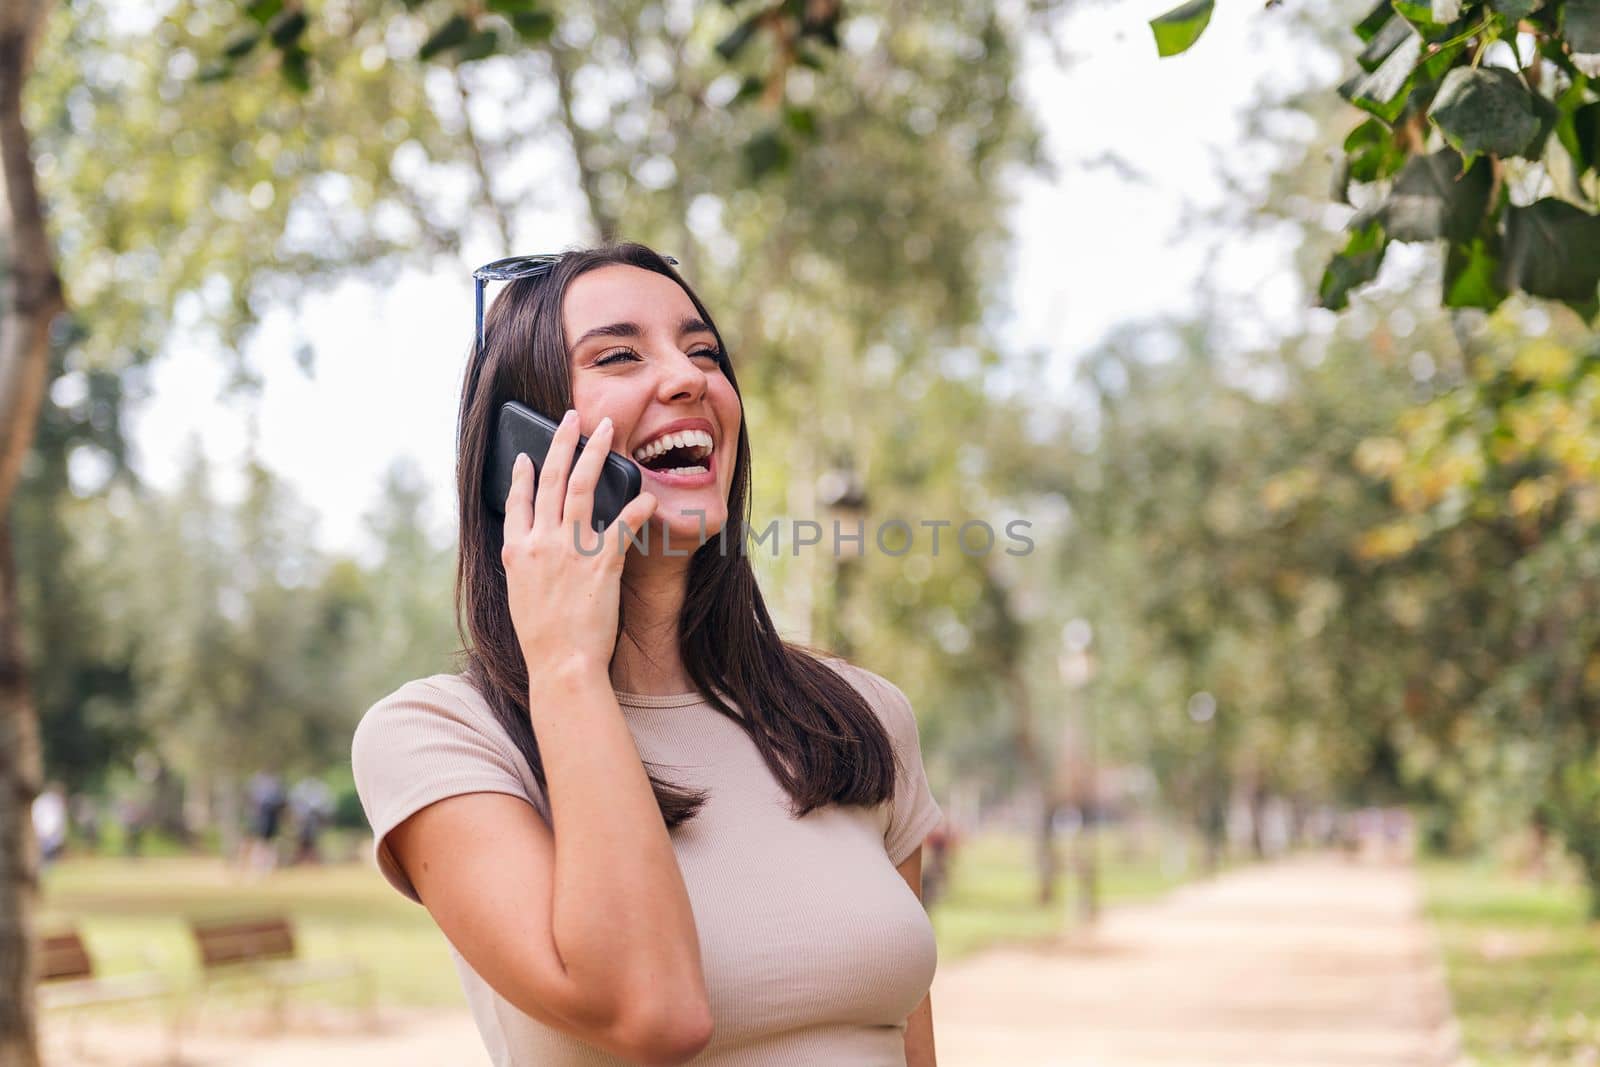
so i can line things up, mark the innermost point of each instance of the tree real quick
(28, 307)
(1477, 109)
(84, 691)
(237, 209)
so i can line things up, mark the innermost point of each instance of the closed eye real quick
(628, 353)
(612, 357)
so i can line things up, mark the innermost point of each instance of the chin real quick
(686, 532)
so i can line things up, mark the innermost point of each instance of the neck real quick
(647, 659)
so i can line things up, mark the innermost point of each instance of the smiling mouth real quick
(684, 452)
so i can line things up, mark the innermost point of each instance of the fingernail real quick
(569, 416)
(520, 462)
(605, 424)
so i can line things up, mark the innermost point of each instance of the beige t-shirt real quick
(814, 948)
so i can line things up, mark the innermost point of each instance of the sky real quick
(1097, 246)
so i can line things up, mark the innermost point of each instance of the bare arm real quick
(919, 1024)
(595, 937)
(585, 923)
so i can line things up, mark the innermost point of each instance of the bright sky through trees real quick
(1097, 245)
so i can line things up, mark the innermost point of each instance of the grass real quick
(132, 913)
(993, 897)
(1524, 963)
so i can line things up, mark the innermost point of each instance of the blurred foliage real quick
(185, 202)
(1353, 563)
(208, 202)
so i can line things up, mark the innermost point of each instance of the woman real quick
(755, 899)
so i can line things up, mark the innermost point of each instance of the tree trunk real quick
(1031, 758)
(1086, 868)
(32, 298)
(1049, 860)
(19, 861)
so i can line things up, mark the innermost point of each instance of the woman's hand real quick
(564, 601)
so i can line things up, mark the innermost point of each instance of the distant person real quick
(650, 828)
(311, 804)
(84, 811)
(133, 816)
(50, 822)
(267, 804)
(941, 847)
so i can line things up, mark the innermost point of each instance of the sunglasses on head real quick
(511, 269)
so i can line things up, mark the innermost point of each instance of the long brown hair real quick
(814, 729)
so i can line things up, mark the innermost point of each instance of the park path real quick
(1311, 962)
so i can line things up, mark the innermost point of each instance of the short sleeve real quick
(913, 813)
(416, 746)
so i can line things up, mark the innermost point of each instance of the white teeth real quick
(699, 440)
(686, 470)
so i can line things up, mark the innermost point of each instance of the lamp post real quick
(1077, 666)
(844, 500)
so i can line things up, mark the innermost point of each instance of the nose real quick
(682, 380)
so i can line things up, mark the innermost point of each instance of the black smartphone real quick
(521, 429)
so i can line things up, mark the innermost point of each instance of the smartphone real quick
(521, 429)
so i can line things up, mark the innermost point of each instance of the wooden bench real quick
(67, 981)
(262, 950)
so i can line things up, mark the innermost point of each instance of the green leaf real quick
(480, 45)
(1383, 91)
(242, 44)
(807, 56)
(1548, 115)
(1394, 34)
(1486, 109)
(1434, 198)
(453, 33)
(1339, 182)
(1470, 271)
(766, 153)
(1421, 18)
(534, 27)
(297, 68)
(263, 10)
(215, 72)
(1356, 264)
(1375, 20)
(1582, 136)
(1181, 27)
(749, 89)
(734, 42)
(1552, 249)
(287, 28)
(1515, 10)
(801, 120)
(510, 8)
(1580, 23)
(1372, 152)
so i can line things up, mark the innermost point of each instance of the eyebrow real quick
(691, 324)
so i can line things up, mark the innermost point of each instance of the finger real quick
(585, 474)
(553, 475)
(634, 514)
(519, 501)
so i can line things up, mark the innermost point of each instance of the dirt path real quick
(1310, 963)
